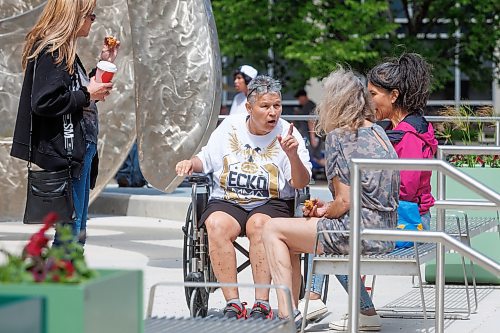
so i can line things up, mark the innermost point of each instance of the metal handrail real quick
(432, 119)
(288, 294)
(355, 239)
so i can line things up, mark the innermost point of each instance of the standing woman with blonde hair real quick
(56, 88)
(347, 117)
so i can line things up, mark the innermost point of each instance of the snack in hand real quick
(309, 204)
(110, 41)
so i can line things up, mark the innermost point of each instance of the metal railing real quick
(432, 119)
(439, 236)
(287, 325)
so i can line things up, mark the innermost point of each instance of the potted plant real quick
(484, 168)
(75, 298)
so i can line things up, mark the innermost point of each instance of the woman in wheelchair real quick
(347, 117)
(257, 161)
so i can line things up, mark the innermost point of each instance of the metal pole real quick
(440, 250)
(355, 249)
(458, 91)
(497, 133)
(440, 277)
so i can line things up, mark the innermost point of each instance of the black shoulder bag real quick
(51, 191)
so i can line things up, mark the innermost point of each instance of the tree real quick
(308, 38)
(256, 32)
(434, 27)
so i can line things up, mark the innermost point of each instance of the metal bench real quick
(407, 261)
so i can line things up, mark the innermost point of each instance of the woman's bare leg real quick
(282, 236)
(296, 277)
(222, 230)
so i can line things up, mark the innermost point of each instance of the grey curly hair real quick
(410, 75)
(262, 84)
(346, 102)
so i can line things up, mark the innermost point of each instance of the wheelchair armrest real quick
(302, 195)
(199, 180)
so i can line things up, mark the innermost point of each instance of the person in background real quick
(347, 116)
(315, 144)
(130, 174)
(257, 160)
(242, 77)
(56, 85)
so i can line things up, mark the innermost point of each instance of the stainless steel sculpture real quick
(177, 90)
(178, 83)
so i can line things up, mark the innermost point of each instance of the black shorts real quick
(272, 208)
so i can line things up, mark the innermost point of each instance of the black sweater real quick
(47, 98)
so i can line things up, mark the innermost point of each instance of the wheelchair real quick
(195, 256)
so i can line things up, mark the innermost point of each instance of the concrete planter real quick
(111, 302)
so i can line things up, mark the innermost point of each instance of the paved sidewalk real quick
(154, 245)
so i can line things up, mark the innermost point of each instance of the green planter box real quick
(110, 303)
(487, 243)
(454, 190)
(28, 309)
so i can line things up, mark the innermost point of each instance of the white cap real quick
(249, 70)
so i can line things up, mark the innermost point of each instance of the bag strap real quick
(68, 129)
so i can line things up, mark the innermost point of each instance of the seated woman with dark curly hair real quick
(347, 117)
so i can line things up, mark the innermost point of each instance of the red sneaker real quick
(261, 311)
(233, 310)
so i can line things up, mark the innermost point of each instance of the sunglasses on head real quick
(260, 89)
(92, 17)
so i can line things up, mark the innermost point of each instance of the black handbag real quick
(51, 191)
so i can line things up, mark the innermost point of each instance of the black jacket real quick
(46, 99)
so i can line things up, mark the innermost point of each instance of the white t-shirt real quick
(250, 169)
(238, 105)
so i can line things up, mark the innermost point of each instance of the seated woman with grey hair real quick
(257, 160)
(347, 117)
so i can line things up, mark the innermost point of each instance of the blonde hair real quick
(346, 103)
(56, 29)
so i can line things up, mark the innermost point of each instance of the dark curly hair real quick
(410, 75)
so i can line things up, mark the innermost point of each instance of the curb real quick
(121, 204)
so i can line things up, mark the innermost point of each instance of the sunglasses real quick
(261, 88)
(92, 17)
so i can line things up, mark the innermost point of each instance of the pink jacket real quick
(416, 185)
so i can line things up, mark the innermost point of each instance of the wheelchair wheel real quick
(194, 270)
(189, 243)
(198, 302)
(188, 256)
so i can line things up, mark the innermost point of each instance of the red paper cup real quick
(105, 71)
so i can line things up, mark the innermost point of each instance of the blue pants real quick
(317, 287)
(81, 191)
(426, 220)
(129, 174)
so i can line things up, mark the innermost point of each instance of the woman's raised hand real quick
(184, 168)
(110, 49)
(289, 143)
(99, 91)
